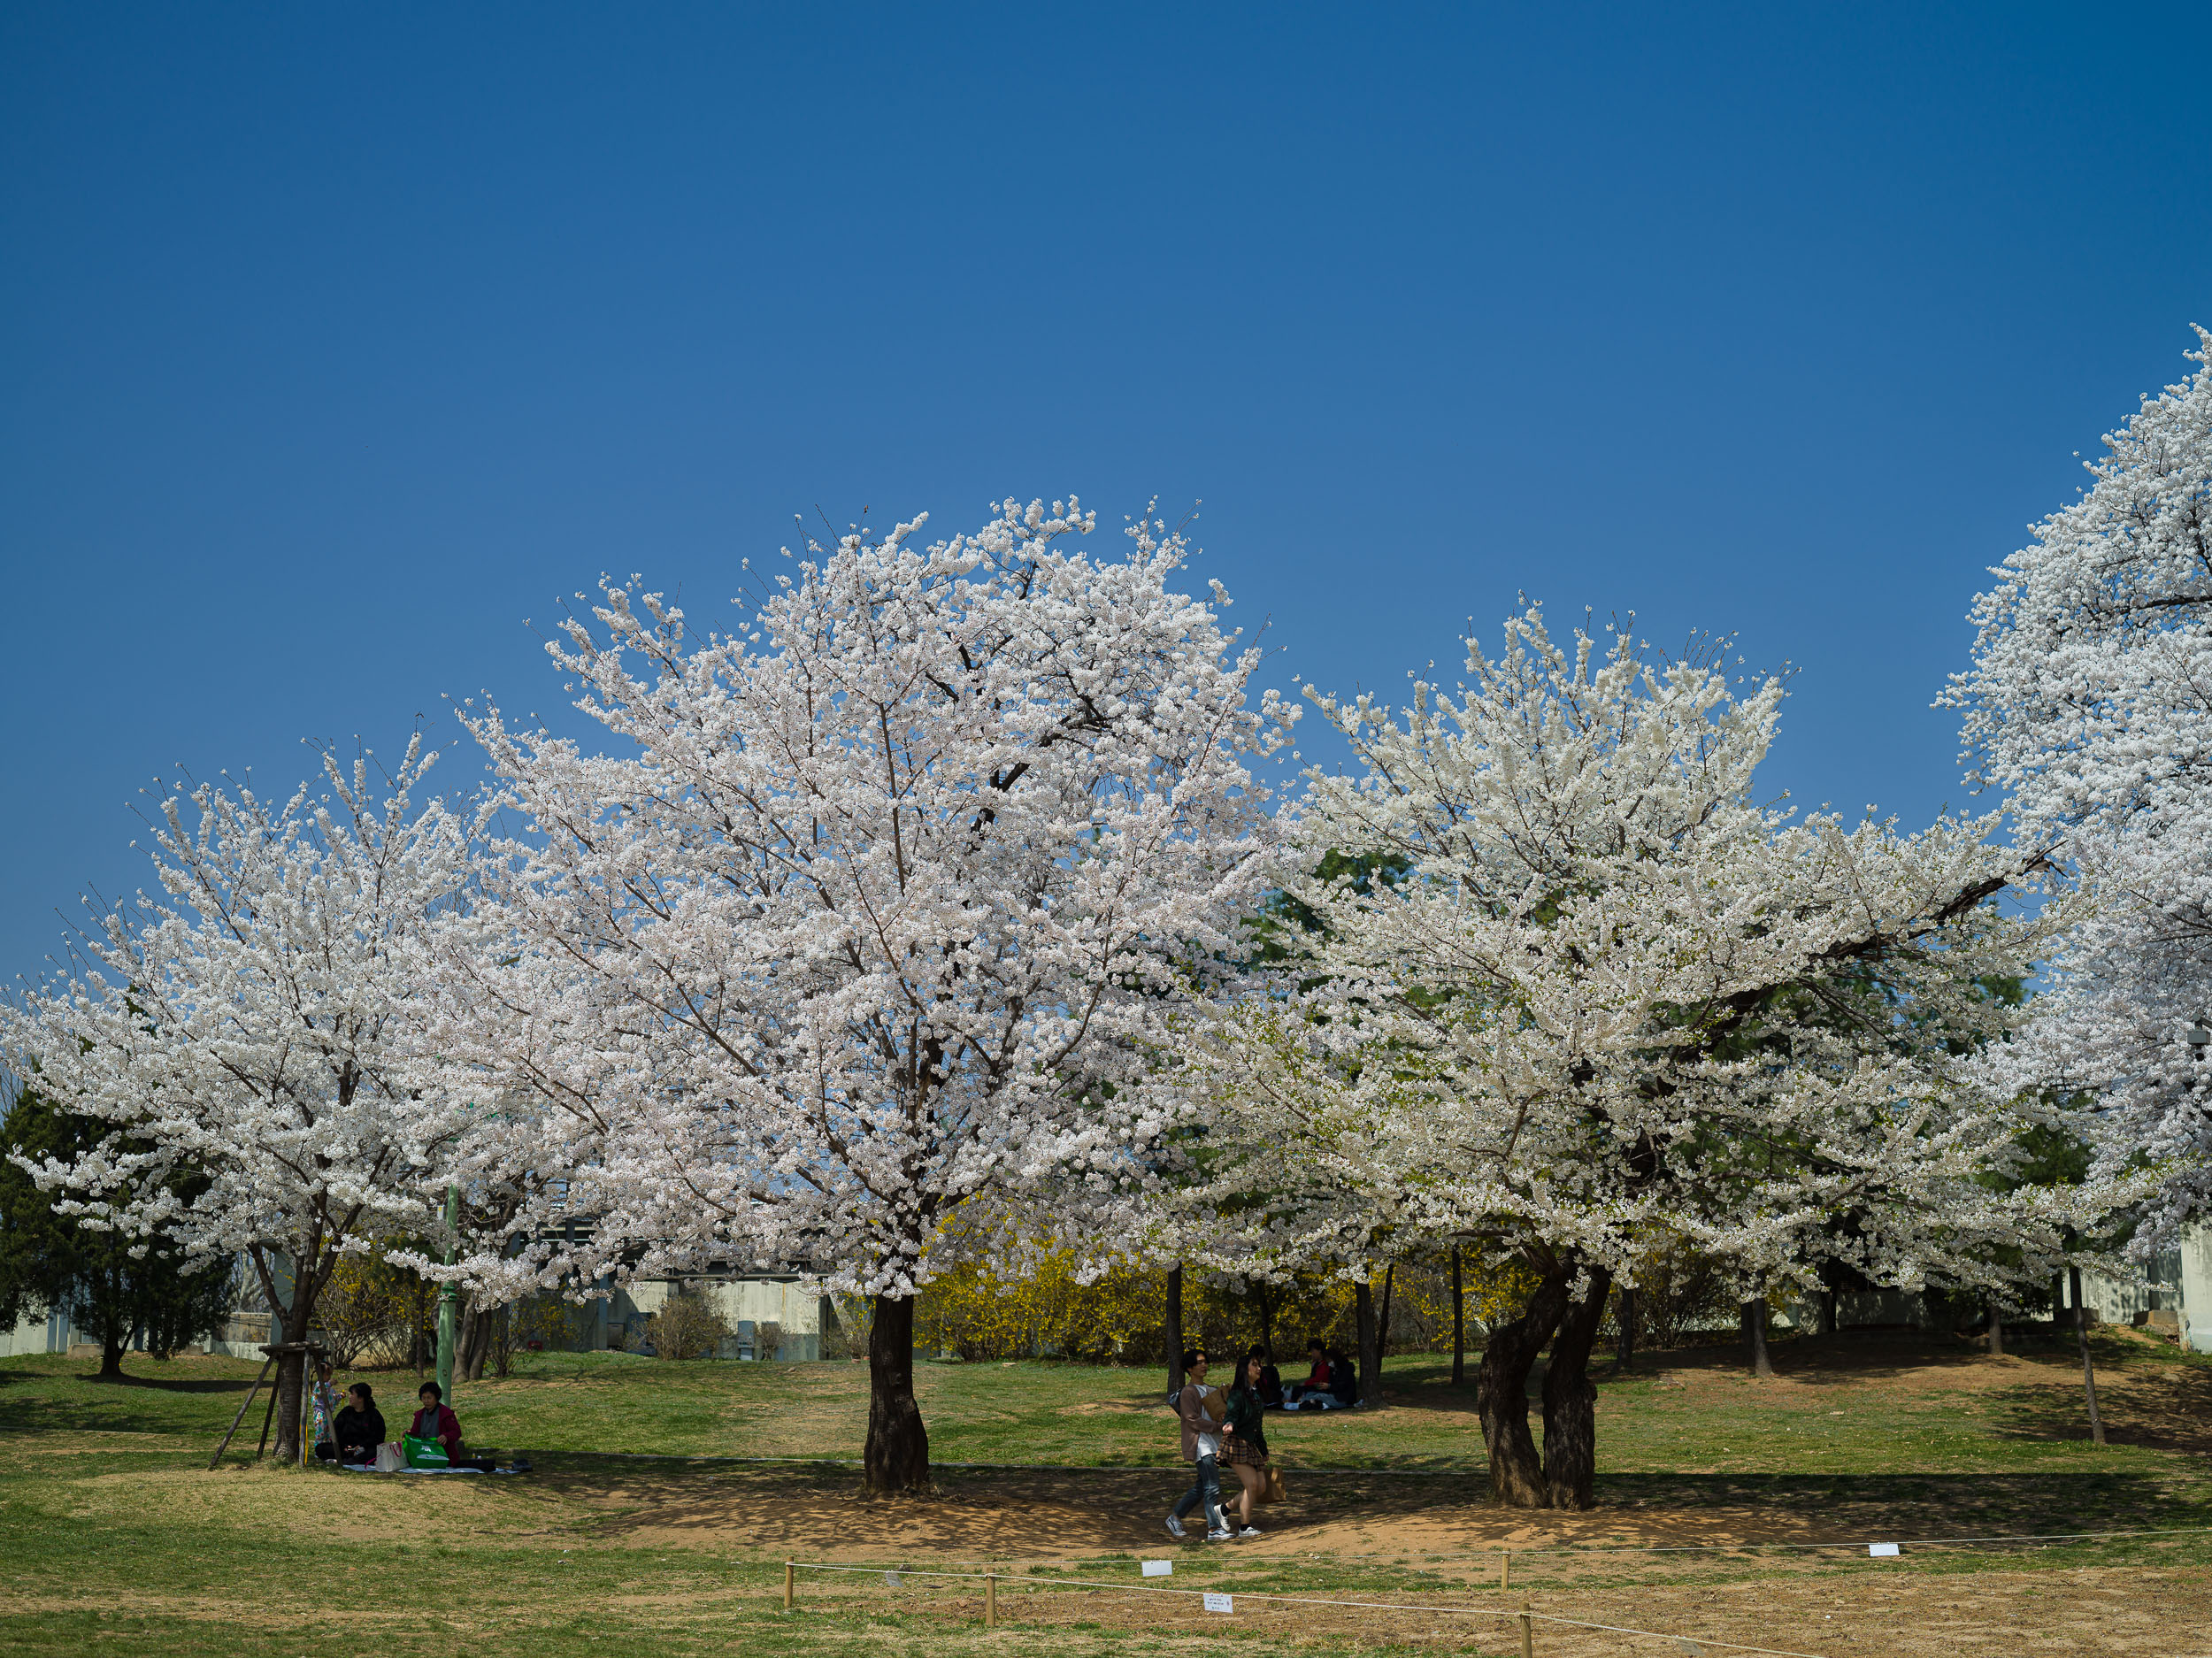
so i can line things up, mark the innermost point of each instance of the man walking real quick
(1202, 1446)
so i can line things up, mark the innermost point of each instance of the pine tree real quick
(107, 1282)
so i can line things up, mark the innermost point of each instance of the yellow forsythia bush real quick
(976, 1313)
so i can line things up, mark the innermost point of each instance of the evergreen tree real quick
(110, 1285)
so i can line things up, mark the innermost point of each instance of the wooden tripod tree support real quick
(315, 1350)
(243, 1406)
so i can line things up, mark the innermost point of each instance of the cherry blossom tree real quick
(2089, 705)
(246, 1036)
(1571, 987)
(879, 914)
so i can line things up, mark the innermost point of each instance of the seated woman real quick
(1315, 1388)
(358, 1429)
(435, 1421)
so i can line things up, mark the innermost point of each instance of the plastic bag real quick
(389, 1458)
(423, 1453)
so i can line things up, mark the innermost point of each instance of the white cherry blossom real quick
(879, 912)
(2089, 705)
(252, 1023)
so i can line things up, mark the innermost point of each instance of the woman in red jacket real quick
(434, 1420)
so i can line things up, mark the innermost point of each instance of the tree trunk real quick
(1996, 1329)
(1382, 1324)
(1370, 1344)
(1755, 1335)
(1624, 1312)
(1267, 1321)
(1502, 1393)
(1827, 1312)
(1570, 1400)
(291, 1384)
(2088, 1370)
(472, 1342)
(1175, 1330)
(112, 1360)
(1459, 1324)
(897, 1453)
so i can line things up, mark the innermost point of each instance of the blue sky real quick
(335, 342)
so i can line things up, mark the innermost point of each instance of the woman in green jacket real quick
(1244, 1441)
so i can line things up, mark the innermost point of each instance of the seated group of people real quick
(357, 1432)
(1332, 1381)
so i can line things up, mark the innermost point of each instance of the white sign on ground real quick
(1159, 1567)
(1878, 1549)
(1219, 1603)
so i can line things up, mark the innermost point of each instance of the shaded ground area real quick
(1015, 1515)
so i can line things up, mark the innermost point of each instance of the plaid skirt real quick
(1239, 1449)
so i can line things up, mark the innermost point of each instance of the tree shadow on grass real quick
(2169, 1408)
(821, 1512)
(37, 1400)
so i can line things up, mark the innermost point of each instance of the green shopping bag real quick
(423, 1453)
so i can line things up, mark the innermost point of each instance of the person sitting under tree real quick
(435, 1421)
(358, 1430)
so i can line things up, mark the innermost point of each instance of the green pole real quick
(448, 1300)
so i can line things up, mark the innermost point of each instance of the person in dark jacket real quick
(1343, 1379)
(359, 1430)
(1271, 1379)
(1244, 1440)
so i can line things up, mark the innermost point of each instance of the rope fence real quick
(1517, 1550)
(1215, 1600)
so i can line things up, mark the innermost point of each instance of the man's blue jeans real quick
(1206, 1489)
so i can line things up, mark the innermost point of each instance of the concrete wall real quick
(42, 1333)
(2196, 1289)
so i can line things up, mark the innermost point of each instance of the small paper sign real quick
(1159, 1567)
(1879, 1549)
(1220, 1602)
(892, 1578)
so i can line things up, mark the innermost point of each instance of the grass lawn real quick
(114, 1537)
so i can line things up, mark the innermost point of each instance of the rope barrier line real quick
(1362, 1606)
(1516, 1549)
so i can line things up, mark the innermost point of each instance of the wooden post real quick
(789, 1573)
(1505, 1569)
(1528, 1634)
(268, 1417)
(243, 1406)
(990, 1600)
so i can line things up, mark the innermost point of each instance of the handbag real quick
(1277, 1491)
(423, 1453)
(389, 1458)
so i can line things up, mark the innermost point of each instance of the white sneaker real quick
(1220, 1536)
(1249, 1531)
(1174, 1527)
